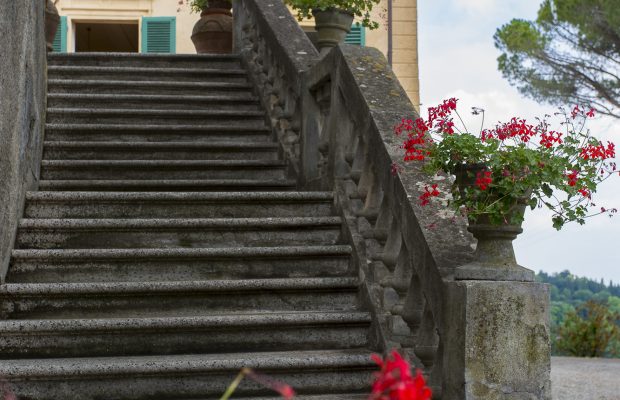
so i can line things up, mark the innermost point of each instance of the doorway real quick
(94, 36)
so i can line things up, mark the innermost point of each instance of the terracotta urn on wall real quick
(52, 20)
(213, 33)
(332, 26)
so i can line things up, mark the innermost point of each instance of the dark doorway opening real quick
(107, 37)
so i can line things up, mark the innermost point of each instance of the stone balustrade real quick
(334, 118)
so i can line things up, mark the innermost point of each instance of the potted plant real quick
(213, 31)
(498, 172)
(52, 20)
(333, 18)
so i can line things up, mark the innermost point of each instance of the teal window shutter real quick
(159, 34)
(357, 35)
(60, 40)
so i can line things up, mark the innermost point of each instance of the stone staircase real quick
(167, 246)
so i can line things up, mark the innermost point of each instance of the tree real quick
(569, 55)
(590, 331)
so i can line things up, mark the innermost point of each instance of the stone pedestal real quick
(498, 346)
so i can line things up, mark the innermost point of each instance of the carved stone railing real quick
(334, 118)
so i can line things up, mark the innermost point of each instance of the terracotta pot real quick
(213, 33)
(494, 258)
(52, 20)
(332, 26)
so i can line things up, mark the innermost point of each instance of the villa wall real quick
(405, 40)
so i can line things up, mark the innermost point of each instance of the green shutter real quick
(357, 35)
(60, 40)
(159, 34)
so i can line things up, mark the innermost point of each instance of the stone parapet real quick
(22, 112)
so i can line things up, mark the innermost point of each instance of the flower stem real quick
(233, 386)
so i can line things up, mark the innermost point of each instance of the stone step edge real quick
(125, 224)
(182, 364)
(137, 145)
(235, 320)
(140, 56)
(180, 287)
(83, 83)
(163, 113)
(176, 253)
(202, 197)
(153, 97)
(52, 69)
(258, 164)
(169, 128)
(170, 183)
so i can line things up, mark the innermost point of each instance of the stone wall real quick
(22, 111)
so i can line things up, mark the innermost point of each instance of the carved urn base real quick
(332, 26)
(494, 258)
(213, 33)
(52, 20)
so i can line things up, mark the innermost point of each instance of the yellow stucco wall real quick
(405, 39)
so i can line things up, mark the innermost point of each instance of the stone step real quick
(110, 86)
(133, 265)
(175, 299)
(169, 185)
(161, 169)
(117, 150)
(177, 233)
(206, 61)
(183, 335)
(177, 205)
(131, 73)
(231, 101)
(152, 133)
(154, 116)
(190, 376)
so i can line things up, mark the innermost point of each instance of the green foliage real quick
(591, 330)
(359, 8)
(568, 293)
(568, 55)
(198, 6)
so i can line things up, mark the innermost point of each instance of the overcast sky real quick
(458, 59)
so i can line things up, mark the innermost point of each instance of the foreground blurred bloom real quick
(283, 389)
(395, 382)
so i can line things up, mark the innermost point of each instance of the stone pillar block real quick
(497, 345)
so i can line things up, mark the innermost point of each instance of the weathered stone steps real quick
(161, 169)
(192, 376)
(176, 233)
(183, 335)
(148, 265)
(172, 185)
(207, 61)
(199, 75)
(118, 150)
(184, 298)
(159, 116)
(148, 132)
(230, 101)
(102, 86)
(177, 204)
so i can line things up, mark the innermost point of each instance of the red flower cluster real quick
(550, 138)
(576, 111)
(425, 198)
(395, 382)
(599, 151)
(515, 128)
(572, 177)
(483, 179)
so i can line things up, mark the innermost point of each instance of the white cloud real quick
(476, 6)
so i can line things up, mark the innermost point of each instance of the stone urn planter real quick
(213, 33)
(332, 26)
(494, 258)
(52, 20)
